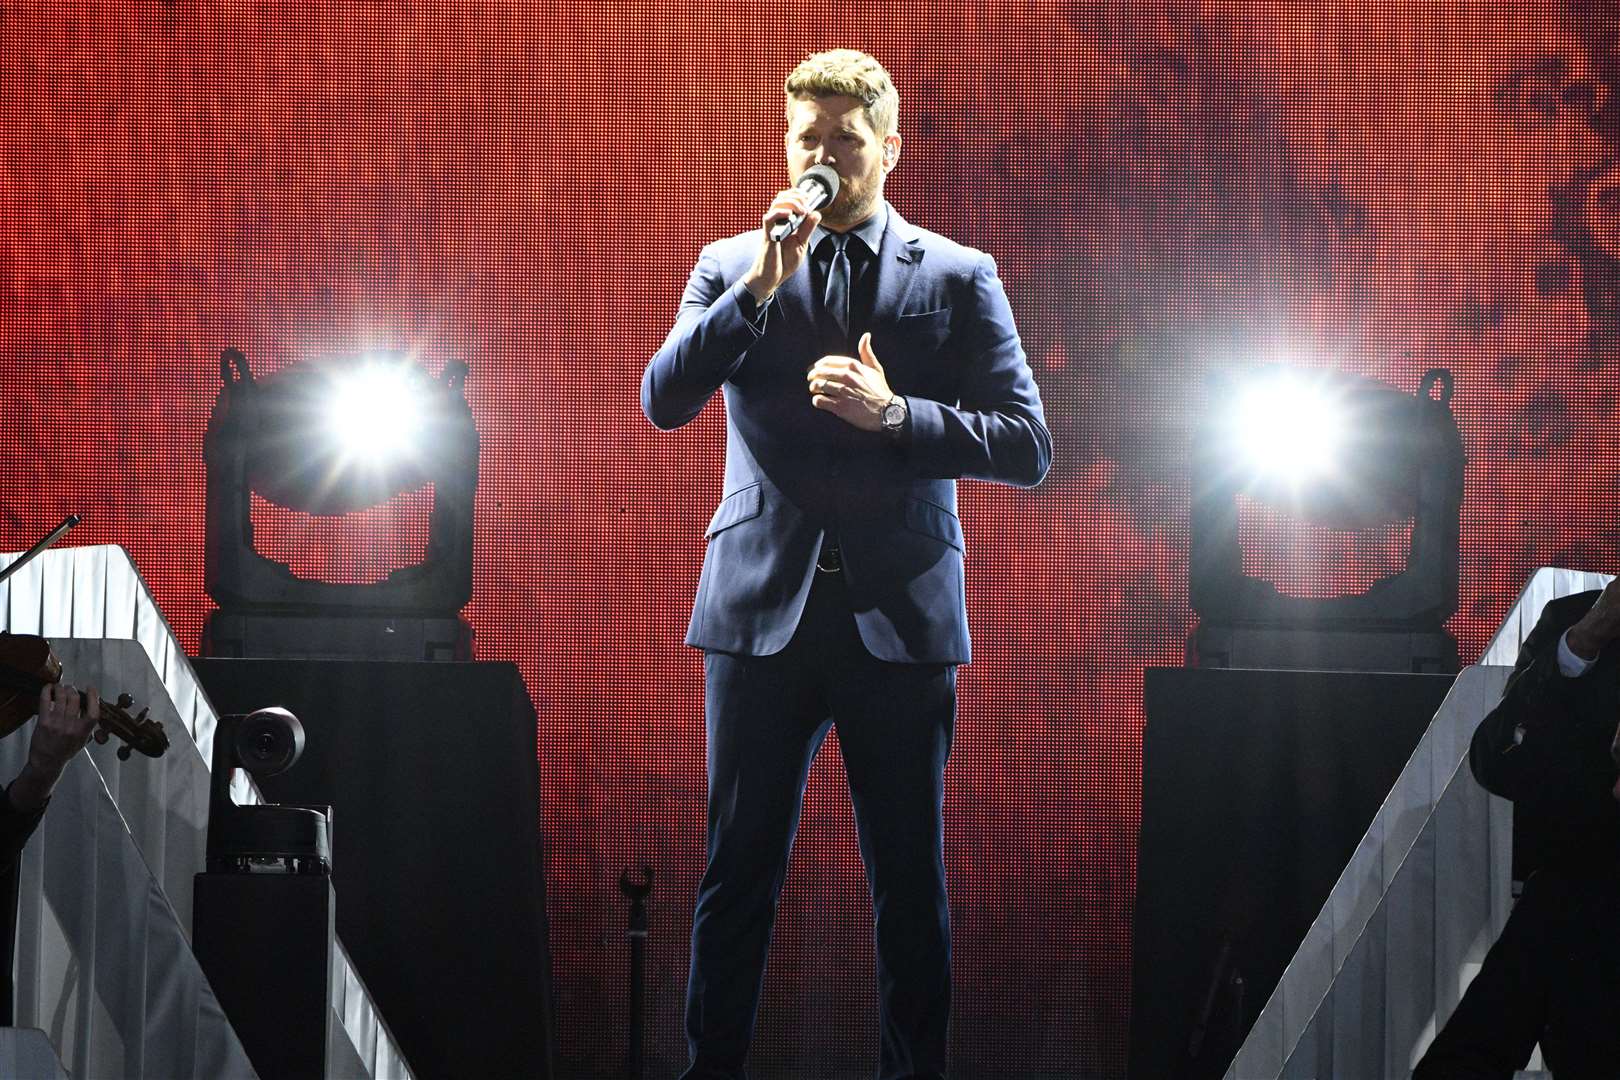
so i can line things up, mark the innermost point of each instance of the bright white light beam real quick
(1290, 428)
(376, 412)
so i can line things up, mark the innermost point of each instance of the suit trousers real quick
(1553, 977)
(766, 717)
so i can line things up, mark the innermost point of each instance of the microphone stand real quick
(636, 889)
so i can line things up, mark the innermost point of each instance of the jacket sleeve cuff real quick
(925, 434)
(752, 311)
(1545, 684)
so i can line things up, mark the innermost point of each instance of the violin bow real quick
(32, 553)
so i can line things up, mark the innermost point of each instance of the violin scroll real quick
(138, 732)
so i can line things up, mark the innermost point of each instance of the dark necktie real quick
(836, 300)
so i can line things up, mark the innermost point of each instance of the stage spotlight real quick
(1344, 452)
(327, 438)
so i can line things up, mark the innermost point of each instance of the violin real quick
(27, 665)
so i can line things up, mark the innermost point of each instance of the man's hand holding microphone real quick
(1599, 626)
(786, 227)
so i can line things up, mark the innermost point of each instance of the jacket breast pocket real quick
(924, 329)
(739, 506)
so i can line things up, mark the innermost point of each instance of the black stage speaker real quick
(1256, 788)
(265, 943)
(431, 774)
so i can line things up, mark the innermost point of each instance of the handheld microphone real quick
(820, 186)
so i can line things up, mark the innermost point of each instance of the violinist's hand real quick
(63, 729)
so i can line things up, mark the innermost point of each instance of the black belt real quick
(829, 560)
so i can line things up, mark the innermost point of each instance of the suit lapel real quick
(898, 260)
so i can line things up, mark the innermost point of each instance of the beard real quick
(857, 197)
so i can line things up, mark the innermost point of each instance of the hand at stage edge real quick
(1599, 626)
(854, 389)
(65, 724)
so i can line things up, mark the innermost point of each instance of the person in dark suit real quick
(1551, 745)
(65, 722)
(866, 364)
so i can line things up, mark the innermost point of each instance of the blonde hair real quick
(849, 73)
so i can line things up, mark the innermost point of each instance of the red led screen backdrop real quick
(1168, 187)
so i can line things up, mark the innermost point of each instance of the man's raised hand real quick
(776, 262)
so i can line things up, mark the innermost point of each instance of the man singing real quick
(857, 389)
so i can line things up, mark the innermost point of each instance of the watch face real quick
(894, 414)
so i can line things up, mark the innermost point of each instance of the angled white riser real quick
(104, 964)
(27, 1052)
(1421, 900)
(135, 829)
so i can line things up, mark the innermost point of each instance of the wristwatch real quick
(894, 415)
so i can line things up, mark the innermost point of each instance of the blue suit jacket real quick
(943, 330)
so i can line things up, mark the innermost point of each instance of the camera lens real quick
(269, 741)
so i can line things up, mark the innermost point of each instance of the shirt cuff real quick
(1570, 665)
